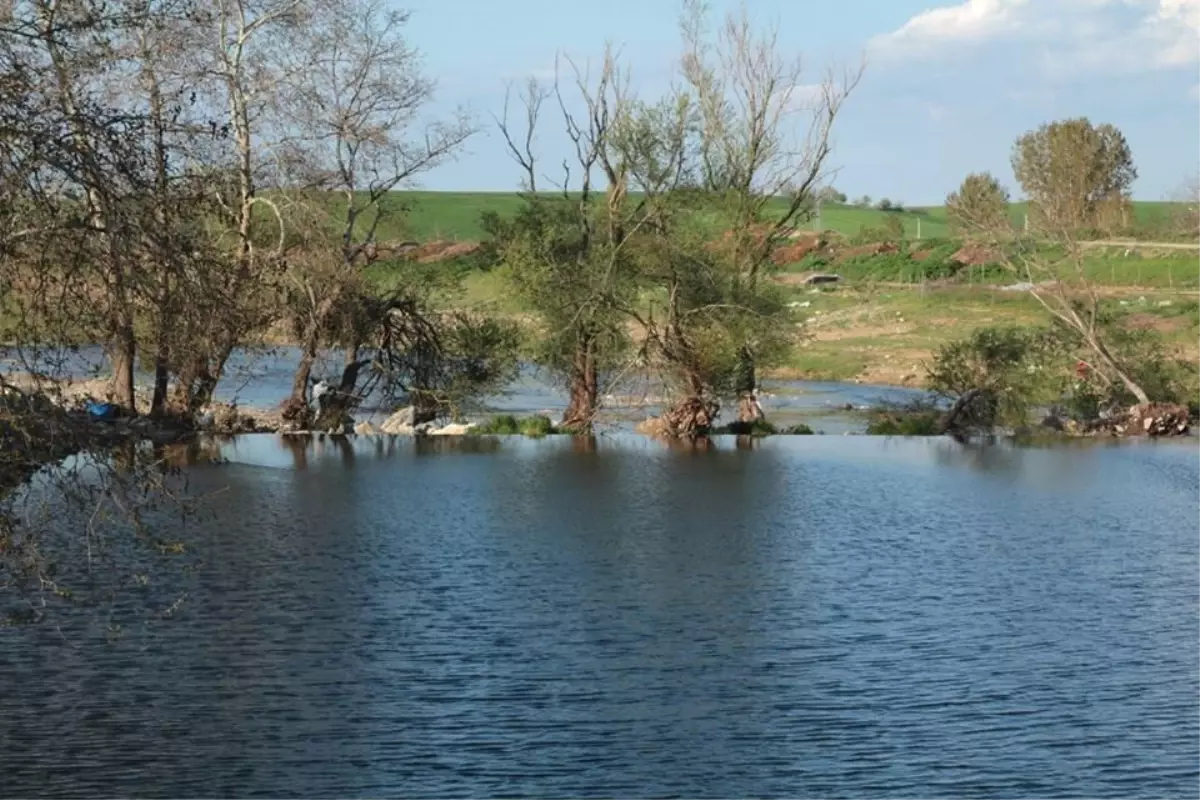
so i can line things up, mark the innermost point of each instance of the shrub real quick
(868, 234)
(996, 374)
(763, 428)
(509, 425)
(759, 427)
(1147, 360)
(502, 425)
(537, 425)
(917, 418)
(895, 226)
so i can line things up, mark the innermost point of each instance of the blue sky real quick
(947, 89)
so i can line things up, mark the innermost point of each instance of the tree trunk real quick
(1134, 389)
(123, 355)
(208, 376)
(949, 421)
(748, 409)
(308, 356)
(1129, 383)
(203, 389)
(693, 416)
(162, 380)
(584, 392)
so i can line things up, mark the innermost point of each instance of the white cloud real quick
(972, 20)
(1093, 36)
(1175, 26)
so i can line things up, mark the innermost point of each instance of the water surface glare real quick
(812, 616)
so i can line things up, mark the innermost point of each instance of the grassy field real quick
(425, 216)
(883, 323)
(887, 336)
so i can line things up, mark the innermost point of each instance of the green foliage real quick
(537, 425)
(500, 425)
(908, 419)
(1000, 373)
(1143, 354)
(447, 361)
(1070, 169)
(707, 308)
(438, 278)
(869, 234)
(895, 226)
(902, 267)
(508, 425)
(424, 216)
(759, 427)
(762, 427)
(574, 282)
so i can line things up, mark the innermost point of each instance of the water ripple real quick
(834, 619)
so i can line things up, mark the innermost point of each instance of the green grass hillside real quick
(425, 216)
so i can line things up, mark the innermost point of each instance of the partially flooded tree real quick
(236, 56)
(568, 257)
(1071, 171)
(993, 377)
(90, 171)
(981, 202)
(185, 289)
(764, 140)
(79, 226)
(352, 104)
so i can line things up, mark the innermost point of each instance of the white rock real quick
(365, 429)
(453, 429)
(399, 423)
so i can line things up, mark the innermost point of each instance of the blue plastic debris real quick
(101, 410)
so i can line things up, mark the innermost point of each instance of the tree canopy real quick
(1070, 169)
(980, 203)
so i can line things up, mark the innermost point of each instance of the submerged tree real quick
(994, 376)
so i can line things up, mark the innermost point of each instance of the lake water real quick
(809, 616)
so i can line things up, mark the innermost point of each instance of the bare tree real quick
(75, 57)
(238, 63)
(353, 106)
(181, 295)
